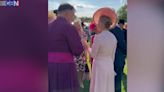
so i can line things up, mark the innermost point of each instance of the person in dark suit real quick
(125, 32)
(125, 75)
(120, 54)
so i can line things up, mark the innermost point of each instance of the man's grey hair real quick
(65, 7)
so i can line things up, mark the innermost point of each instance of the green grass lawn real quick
(126, 68)
(86, 86)
(125, 78)
(86, 82)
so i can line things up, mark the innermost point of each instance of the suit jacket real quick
(125, 34)
(121, 49)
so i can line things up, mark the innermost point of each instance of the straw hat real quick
(106, 11)
(51, 16)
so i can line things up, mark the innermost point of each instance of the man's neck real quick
(64, 18)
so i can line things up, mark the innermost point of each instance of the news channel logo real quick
(14, 3)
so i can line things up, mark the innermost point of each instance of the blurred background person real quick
(88, 36)
(92, 28)
(80, 60)
(120, 54)
(86, 30)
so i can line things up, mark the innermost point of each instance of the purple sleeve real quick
(74, 41)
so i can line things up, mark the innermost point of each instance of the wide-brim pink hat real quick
(106, 11)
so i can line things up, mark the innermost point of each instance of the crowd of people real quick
(69, 44)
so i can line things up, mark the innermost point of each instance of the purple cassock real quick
(63, 43)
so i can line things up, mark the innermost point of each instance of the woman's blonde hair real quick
(106, 21)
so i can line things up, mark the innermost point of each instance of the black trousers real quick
(118, 79)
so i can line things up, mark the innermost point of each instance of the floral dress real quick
(81, 60)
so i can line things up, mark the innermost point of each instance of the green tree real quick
(122, 13)
(86, 19)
